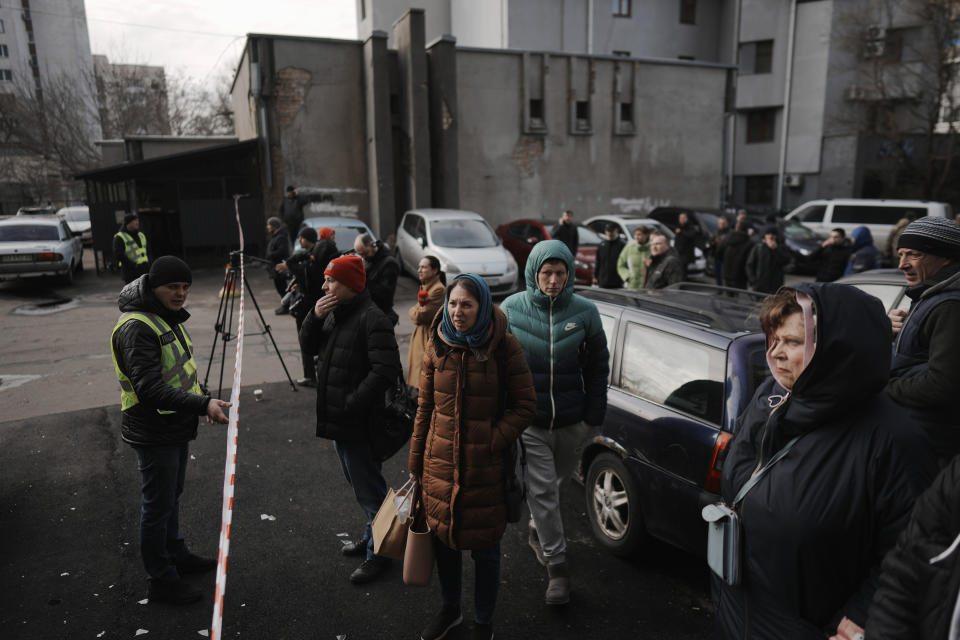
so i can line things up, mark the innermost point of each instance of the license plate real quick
(17, 257)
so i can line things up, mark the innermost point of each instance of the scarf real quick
(477, 334)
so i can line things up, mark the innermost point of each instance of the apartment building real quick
(806, 120)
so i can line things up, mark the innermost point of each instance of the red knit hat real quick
(348, 270)
(324, 233)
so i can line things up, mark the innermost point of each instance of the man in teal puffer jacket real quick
(566, 349)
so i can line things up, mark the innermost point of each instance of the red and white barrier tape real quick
(230, 469)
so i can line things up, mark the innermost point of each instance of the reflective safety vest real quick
(178, 368)
(133, 253)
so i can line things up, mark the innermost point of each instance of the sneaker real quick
(281, 310)
(447, 619)
(482, 631)
(369, 570)
(534, 541)
(176, 592)
(558, 589)
(195, 564)
(307, 382)
(357, 548)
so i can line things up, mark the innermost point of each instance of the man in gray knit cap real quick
(925, 370)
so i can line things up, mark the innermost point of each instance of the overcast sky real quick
(203, 37)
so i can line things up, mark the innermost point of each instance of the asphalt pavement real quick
(69, 507)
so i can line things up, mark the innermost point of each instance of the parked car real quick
(78, 219)
(684, 363)
(37, 210)
(879, 216)
(38, 246)
(889, 285)
(628, 223)
(347, 230)
(462, 241)
(519, 236)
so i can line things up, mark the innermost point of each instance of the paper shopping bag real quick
(389, 527)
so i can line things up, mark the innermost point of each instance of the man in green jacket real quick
(630, 265)
(565, 346)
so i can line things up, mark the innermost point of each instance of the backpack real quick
(514, 456)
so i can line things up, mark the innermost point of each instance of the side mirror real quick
(423, 242)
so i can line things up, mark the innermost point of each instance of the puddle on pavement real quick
(46, 307)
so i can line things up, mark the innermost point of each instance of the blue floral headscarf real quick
(477, 334)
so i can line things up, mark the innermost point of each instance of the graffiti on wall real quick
(326, 201)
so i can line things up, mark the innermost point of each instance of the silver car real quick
(78, 219)
(462, 241)
(39, 246)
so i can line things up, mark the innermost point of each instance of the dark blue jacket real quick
(564, 343)
(815, 528)
(863, 255)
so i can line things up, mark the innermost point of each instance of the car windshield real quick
(797, 231)
(37, 212)
(587, 237)
(652, 224)
(76, 215)
(28, 232)
(346, 231)
(462, 233)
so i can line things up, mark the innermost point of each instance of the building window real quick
(621, 8)
(581, 116)
(688, 11)
(363, 9)
(4, 51)
(761, 125)
(626, 113)
(759, 189)
(536, 109)
(6, 75)
(1, 26)
(756, 57)
(622, 54)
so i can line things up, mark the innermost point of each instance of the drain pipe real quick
(732, 116)
(788, 80)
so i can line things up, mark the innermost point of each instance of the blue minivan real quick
(684, 363)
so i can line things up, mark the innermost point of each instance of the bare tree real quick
(903, 63)
(132, 98)
(200, 107)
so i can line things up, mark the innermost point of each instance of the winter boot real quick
(558, 589)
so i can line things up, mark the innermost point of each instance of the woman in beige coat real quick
(429, 301)
(476, 397)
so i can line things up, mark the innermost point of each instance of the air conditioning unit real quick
(793, 180)
(875, 42)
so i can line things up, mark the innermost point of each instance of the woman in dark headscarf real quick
(818, 520)
(471, 368)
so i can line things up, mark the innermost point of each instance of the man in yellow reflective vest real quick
(130, 249)
(161, 401)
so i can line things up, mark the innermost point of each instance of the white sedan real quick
(39, 246)
(462, 241)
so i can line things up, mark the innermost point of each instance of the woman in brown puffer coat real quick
(460, 433)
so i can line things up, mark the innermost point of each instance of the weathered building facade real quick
(501, 132)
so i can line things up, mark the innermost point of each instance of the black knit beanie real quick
(309, 234)
(167, 269)
(932, 234)
(130, 217)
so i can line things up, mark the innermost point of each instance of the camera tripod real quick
(224, 322)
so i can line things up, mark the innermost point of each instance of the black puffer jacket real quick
(664, 270)
(137, 351)
(382, 273)
(358, 361)
(765, 267)
(916, 597)
(734, 253)
(815, 528)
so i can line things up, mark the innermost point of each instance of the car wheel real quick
(613, 505)
(80, 264)
(68, 276)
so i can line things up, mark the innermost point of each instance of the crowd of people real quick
(842, 534)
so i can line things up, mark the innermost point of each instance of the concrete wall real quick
(381, 14)
(318, 123)
(478, 23)
(675, 155)
(654, 30)
(243, 104)
(810, 65)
